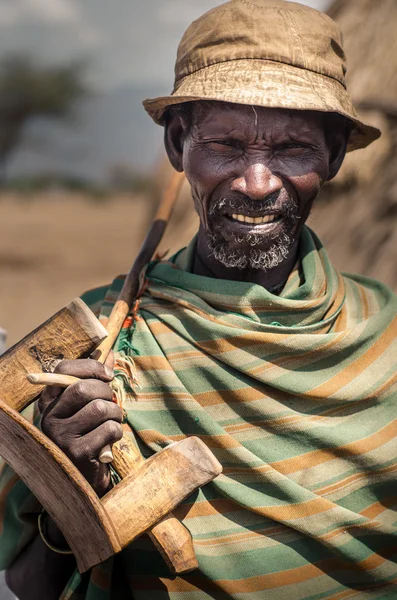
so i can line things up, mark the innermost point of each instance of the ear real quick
(175, 130)
(336, 156)
(337, 138)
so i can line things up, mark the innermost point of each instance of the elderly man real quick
(248, 338)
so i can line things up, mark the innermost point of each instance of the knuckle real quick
(99, 408)
(80, 451)
(79, 388)
(96, 389)
(97, 368)
(118, 413)
(74, 453)
(86, 389)
(114, 430)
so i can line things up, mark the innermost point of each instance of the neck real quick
(272, 280)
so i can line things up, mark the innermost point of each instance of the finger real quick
(109, 362)
(85, 368)
(49, 394)
(76, 396)
(92, 443)
(93, 415)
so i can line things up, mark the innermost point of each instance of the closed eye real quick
(224, 146)
(294, 148)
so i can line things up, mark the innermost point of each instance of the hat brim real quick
(270, 84)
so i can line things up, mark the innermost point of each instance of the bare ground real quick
(55, 247)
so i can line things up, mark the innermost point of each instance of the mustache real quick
(288, 206)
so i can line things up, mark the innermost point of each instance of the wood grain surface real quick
(60, 488)
(164, 480)
(171, 538)
(73, 332)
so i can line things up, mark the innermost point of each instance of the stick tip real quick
(106, 456)
(32, 377)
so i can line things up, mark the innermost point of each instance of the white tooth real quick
(258, 219)
(249, 219)
(235, 217)
(240, 218)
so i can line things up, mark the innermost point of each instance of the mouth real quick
(244, 222)
(254, 220)
(241, 224)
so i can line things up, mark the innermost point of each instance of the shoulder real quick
(95, 298)
(101, 299)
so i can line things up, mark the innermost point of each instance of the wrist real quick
(51, 535)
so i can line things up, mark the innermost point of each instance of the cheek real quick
(204, 176)
(310, 180)
(196, 173)
(307, 185)
(307, 188)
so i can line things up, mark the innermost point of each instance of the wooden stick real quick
(159, 486)
(171, 538)
(129, 290)
(52, 379)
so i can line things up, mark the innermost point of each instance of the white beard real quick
(254, 258)
(250, 256)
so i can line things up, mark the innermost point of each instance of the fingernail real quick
(109, 372)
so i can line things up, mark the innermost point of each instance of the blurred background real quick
(82, 166)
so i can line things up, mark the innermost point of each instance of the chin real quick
(250, 252)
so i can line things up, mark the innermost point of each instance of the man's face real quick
(255, 173)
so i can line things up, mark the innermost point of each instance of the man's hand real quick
(82, 419)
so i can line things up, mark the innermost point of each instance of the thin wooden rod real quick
(129, 290)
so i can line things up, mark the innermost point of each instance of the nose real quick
(257, 182)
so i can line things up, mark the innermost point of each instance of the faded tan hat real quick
(269, 53)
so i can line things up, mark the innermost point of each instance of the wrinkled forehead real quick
(212, 117)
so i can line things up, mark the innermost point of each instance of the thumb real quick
(109, 362)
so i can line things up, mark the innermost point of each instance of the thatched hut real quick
(357, 214)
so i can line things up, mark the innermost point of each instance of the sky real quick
(126, 42)
(130, 48)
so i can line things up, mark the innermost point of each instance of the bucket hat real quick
(270, 53)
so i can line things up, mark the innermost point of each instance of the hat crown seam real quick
(198, 67)
(226, 60)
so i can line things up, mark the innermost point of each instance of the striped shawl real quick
(296, 395)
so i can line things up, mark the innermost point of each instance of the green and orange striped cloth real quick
(296, 395)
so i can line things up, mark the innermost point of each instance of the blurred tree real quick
(29, 89)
